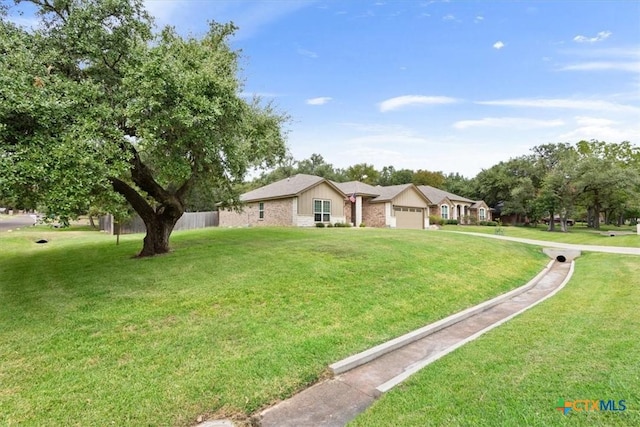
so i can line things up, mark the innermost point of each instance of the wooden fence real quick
(188, 221)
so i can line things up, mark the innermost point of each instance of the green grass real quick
(584, 343)
(577, 234)
(230, 321)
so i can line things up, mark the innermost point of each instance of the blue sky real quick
(455, 86)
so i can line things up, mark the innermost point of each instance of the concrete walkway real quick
(544, 243)
(361, 378)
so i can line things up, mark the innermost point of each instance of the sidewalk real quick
(586, 248)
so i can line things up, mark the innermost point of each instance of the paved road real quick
(587, 248)
(11, 222)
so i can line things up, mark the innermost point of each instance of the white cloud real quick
(633, 67)
(478, 19)
(307, 53)
(508, 122)
(407, 100)
(318, 101)
(498, 45)
(602, 35)
(588, 128)
(593, 121)
(577, 104)
(617, 52)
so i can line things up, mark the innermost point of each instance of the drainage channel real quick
(356, 385)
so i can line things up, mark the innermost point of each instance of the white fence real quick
(188, 221)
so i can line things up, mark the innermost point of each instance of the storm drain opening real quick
(561, 258)
(42, 241)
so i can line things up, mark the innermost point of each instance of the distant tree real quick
(385, 175)
(609, 179)
(362, 172)
(425, 177)
(494, 185)
(316, 165)
(402, 176)
(460, 185)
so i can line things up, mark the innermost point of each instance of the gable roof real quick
(390, 192)
(288, 187)
(436, 195)
(479, 204)
(356, 187)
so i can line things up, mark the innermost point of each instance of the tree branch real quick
(185, 187)
(143, 177)
(46, 5)
(134, 198)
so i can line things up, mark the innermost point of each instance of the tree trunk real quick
(552, 221)
(159, 221)
(596, 214)
(160, 218)
(159, 228)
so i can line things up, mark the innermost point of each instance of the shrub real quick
(473, 220)
(320, 224)
(362, 225)
(489, 223)
(435, 220)
(451, 221)
(329, 225)
(342, 224)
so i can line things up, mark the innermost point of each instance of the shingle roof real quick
(389, 192)
(436, 195)
(357, 187)
(293, 186)
(287, 187)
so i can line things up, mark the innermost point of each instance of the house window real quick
(322, 210)
(261, 210)
(444, 211)
(481, 214)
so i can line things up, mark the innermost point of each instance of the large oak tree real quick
(93, 102)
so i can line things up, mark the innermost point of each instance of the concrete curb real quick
(384, 348)
(383, 388)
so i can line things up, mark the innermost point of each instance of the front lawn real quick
(584, 343)
(577, 234)
(230, 321)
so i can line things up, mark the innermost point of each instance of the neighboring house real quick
(447, 205)
(304, 200)
(301, 200)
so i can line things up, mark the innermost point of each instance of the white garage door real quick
(409, 217)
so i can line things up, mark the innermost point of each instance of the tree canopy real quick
(94, 103)
(593, 180)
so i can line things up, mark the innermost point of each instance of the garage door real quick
(409, 217)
